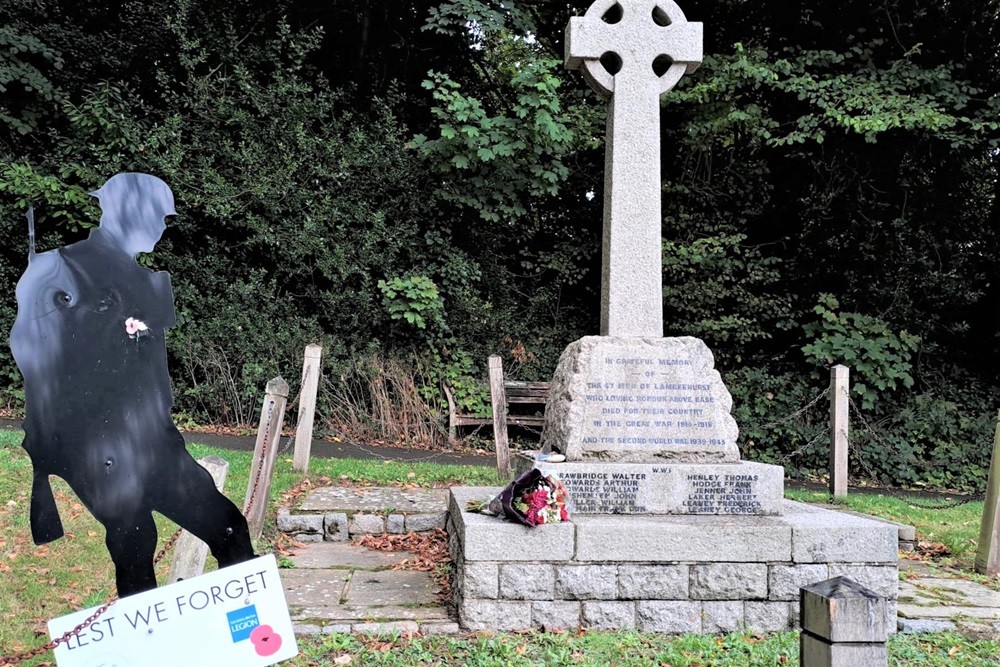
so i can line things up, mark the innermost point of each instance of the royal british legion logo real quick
(242, 622)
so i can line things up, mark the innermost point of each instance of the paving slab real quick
(390, 500)
(344, 555)
(311, 587)
(391, 588)
(343, 587)
(345, 613)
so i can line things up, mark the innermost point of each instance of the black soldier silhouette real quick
(89, 341)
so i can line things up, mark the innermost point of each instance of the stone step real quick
(340, 513)
(341, 587)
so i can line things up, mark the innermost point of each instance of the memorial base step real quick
(673, 574)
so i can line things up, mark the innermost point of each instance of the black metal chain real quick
(856, 451)
(15, 658)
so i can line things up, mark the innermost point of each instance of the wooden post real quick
(272, 416)
(839, 419)
(843, 624)
(988, 554)
(499, 399)
(311, 369)
(190, 552)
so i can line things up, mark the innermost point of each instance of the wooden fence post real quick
(499, 398)
(272, 416)
(839, 422)
(311, 369)
(190, 552)
(988, 553)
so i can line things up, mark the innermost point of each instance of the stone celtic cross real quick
(632, 283)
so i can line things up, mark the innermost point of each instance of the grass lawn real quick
(39, 583)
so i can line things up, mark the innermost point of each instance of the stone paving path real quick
(340, 587)
(932, 601)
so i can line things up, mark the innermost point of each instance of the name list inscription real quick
(661, 490)
(648, 401)
(722, 494)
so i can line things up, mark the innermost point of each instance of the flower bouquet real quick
(530, 500)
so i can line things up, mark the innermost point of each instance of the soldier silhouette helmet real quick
(133, 208)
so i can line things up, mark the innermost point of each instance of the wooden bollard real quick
(839, 419)
(272, 416)
(499, 396)
(843, 625)
(311, 368)
(988, 553)
(190, 552)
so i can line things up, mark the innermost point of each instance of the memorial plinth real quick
(646, 428)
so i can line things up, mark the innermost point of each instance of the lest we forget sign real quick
(233, 616)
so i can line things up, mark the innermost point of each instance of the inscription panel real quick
(635, 488)
(640, 400)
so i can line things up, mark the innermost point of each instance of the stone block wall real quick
(655, 573)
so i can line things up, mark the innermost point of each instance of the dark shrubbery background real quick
(418, 185)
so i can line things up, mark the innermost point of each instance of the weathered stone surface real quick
(386, 628)
(631, 288)
(480, 580)
(556, 615)
(671, 616)
(784, 581)
(729, 581)
(606, 615)
(721, 617)
(915, 625)
(299, 523)
(350, 499)
(305, 629)
(815, 651)
(522, 581)
(586, 582)
(653, 582)
(677, 538)
(740, 488)
(882, 580)
(307, 538)
(359, 613)
(494, 615)
(640, 400)
(395, 523)
(365, 524)
(419, 523)
(840, 610)
(313, 587)
(391, 588)
(335, 527)
(331, 628)
(492, 539)
(766, 616)
(823, 536)
(447, 628)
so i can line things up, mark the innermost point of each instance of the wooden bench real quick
(503, 395)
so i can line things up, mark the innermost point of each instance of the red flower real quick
(563, 514)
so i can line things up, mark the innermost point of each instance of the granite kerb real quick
(341, 513)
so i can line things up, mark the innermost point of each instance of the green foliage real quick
(492, 161)
(415, 299)
(26, 89)
(880, 358)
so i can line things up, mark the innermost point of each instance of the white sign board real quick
(233, 616)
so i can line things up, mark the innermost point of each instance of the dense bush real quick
(419, 186)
